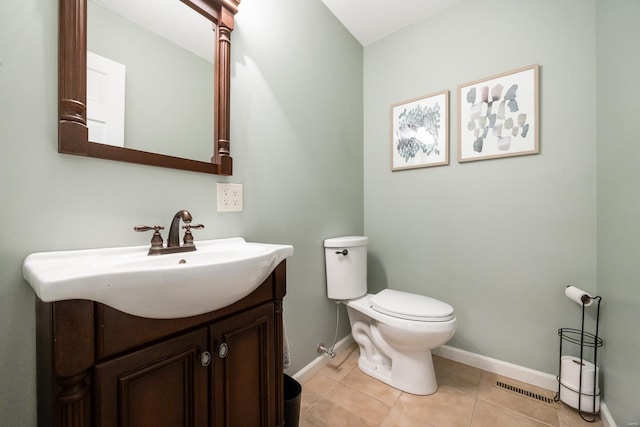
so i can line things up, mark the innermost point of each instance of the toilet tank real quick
(346, 263)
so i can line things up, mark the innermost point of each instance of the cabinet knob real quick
(205, 358)
(223, 349)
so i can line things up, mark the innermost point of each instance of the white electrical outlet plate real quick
(229, 197)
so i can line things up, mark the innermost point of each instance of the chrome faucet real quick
(173, 240)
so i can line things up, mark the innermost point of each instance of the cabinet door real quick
(163, 385)
(244, 369)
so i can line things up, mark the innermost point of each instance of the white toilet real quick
(395, 331)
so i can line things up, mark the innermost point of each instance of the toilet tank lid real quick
(346, 242)
(411, 306)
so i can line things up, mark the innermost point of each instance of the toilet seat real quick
(405, 305)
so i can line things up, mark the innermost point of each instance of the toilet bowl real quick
(397, 350)
(394, 330)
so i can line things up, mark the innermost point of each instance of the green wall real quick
(499, 239)
(618, 51)
(296, 133)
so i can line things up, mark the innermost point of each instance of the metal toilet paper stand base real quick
(584, 340)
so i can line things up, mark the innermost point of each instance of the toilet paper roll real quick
(570, 375)
(579, 401)
(578, 295)
(571, 391)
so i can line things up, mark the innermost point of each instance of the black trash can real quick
(292, 393)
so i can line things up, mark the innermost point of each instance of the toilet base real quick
(412, 373)
(400, 355)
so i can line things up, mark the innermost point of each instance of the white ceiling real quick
(371, 20)
(169, 19)
(367, 20)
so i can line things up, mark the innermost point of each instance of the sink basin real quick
(218, 274)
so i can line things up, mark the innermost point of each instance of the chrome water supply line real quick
(330, 351)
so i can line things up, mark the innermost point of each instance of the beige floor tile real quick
(456, 375)
(353, 352)
(445, 408)
(487, 414)
(304, 422)
(307, 400)
(326, 413)
(397, 418)
(319, 384)
(360, 381)
(528, 406)
(360, 403)
(342, 364)
(314, 389)
(569, 417)
(342, 395)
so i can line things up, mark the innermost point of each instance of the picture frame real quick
(498, 116)
(420, 132)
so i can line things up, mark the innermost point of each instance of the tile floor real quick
(341, 395)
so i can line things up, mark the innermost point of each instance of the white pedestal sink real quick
(218, 274)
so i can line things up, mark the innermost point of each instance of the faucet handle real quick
(190, 226)
(188, 237)
(141, 228)
(156, 239)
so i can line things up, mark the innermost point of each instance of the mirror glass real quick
(150, 77)
(73, 81)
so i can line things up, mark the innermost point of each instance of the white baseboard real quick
(605, 416)
(517, 372)
(321, 361)
(520, 373)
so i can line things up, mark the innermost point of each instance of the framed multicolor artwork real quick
(498, 116)
(420, 132)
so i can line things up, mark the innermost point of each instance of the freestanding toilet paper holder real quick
(586, 387)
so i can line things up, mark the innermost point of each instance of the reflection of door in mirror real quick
(105, 100)
(168, 54)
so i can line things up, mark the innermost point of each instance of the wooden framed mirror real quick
(73, 133)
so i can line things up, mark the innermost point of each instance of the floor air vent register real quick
(525, 392)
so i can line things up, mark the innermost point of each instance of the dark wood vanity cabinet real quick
(100, 367)
(162, 385)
